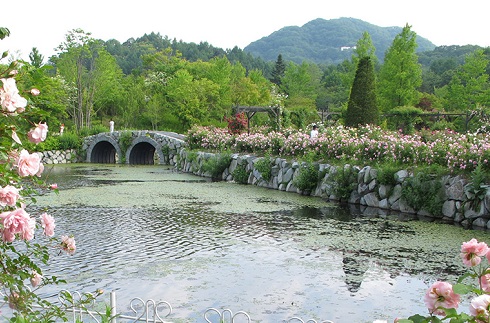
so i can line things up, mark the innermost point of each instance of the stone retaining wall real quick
(368, 194)
(59, 156)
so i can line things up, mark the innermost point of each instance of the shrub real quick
(405, 118)
(51, 143)
(307, 178)
(424, 191)
(264, 167)
(98, 129)
(476, 189)
(386, 174)
(240, 174)
(125, 141)
(216, 164)
(343, 182)
(69, 140)
(191, 158)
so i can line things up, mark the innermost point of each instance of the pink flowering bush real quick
(27, 238)
(368, 144)
(443, 299)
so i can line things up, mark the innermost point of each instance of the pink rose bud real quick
(16, 138)
(54, 186)
(36, 279)
(35, 92)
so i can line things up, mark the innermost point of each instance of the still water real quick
(154, 233)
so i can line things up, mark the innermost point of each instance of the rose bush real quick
(442, 299)
(27, 238)
(365, 144)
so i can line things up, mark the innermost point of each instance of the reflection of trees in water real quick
(354, 268)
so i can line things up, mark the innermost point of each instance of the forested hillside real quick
(326, 41)
(130, 53)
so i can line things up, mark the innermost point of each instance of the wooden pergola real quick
(250, 111)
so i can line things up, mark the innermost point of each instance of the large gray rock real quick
(371, 200)
(481, 223)
(363, 189)
(449, 208)
(401, 175)
(383, 191)
(354, 198)
(455, 190)
(288, 176)
(383, 204)
(396, 194)
(405, 208)
(486, 202)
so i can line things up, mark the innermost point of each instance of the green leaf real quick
(417, 318)
(450, 312)
(462, 289)
(463, 277)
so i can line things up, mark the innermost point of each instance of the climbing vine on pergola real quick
(250, 111)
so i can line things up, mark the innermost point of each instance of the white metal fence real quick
(149, 311)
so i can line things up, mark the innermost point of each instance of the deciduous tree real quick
(401, 74)
(470, 87)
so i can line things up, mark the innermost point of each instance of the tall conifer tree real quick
(362, 107)
(278, 71)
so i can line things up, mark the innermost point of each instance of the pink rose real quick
(441, 295)
(9, 195)
(10, 100)
(35, 92)
(17, 222)
(47, 222)
(472, 251)
(38, 134)
(485, 283)
(40, 171)
(36, 279)
(68, 244)
(28, 164)
(479, 307)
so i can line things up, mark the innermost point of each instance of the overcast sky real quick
(228, 23)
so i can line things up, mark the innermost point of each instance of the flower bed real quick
(365, 145)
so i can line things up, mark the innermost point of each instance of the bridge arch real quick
(146, 148)
(104, 150)
(142, 151)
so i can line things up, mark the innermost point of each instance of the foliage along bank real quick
(449, 199)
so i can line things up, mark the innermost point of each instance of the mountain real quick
(326, 41)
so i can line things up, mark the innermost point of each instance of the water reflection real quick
(274, 254)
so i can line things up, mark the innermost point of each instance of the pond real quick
(154, 233)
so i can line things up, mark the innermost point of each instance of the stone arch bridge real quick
(139, 147)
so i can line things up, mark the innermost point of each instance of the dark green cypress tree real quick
(362, 107)
(278, 71)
